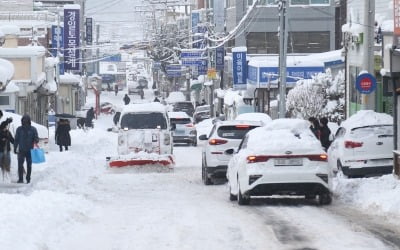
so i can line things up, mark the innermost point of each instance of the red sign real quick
(366, 84)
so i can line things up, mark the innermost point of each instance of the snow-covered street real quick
(75, 202)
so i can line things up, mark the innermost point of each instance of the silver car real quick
(183, 130)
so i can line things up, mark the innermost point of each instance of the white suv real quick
(223, 135)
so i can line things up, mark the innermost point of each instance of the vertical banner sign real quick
(239, 67)
(219, 58)
(57, 33)
(396, 17)
(195, 21)
(89, 31)
(71, 38)
(219, 16)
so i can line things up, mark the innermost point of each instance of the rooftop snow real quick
(179, 114)
(262, 117)
(22, 51)
(9, 29)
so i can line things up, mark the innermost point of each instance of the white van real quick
(144, 128)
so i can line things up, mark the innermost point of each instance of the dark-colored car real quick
(201, 113)
(185, 106)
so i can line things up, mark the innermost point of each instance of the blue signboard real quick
(239, 69)
(174, 70)
(195, 21)
(252, 75)
(219, 58)
(366, 83)
(202, 69)
(71, 39)
(270, 74)
(89, 30)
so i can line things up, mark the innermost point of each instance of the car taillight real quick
(352, 144)
(242, 126)
(257, 158)
(190, 125)
(321, 157)
(217, 141)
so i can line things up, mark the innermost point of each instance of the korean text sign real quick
(71, 39)
(239, 67)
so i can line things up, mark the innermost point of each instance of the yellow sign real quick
(212, 73)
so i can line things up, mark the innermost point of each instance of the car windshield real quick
(234, 132)
(152, 120)
(183, 105)
(373, 129)
(180, 120)
(202, 109)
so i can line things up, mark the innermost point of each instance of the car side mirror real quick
(203, 137)
(230, 151)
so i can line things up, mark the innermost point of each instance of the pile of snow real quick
(367, 117)
(204, 127)
(43, 132)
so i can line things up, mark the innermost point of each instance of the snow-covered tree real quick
(320, 96)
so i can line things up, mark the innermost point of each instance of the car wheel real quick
(340, 170)
(325, 199)
(232, 197)
(204, 173)
(242, 199)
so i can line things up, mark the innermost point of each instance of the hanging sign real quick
(239, 67)
(71, 37)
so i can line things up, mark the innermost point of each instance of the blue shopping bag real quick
(37, 155)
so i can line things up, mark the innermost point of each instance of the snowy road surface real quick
(75, 202)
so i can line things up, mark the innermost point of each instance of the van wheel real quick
(325, 199)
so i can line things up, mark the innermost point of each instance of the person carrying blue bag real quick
(25, 138)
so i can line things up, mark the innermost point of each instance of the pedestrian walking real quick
(26, 137)
(314, 126)
(62, 136)
(116, 89)
(89, 118)
(325, 133)
(126, 99)
(6, 139)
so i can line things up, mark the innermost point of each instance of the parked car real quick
(201, 113)
(185, 106)
(282, 158)
(183, 130)
(363, 145)
(223, 135)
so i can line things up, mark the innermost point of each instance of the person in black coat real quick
(126, 99)
(325, 133)
(62, 135)
(89, 118)
(314, 126)
(6, 139)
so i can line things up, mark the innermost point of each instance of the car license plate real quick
(288, 162)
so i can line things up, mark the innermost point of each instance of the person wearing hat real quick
(6, 139)
(26, 137)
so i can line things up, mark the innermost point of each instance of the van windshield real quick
(152, 120)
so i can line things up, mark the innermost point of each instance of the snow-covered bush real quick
(321, 96)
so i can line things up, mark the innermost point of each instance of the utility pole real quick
(367, 101)
(282, 58)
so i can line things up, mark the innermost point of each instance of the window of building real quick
(4, 100)
(262, 43)
(309, 42)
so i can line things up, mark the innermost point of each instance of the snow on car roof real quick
(239, 122)
(262, 140)
(144, 107)
(367, 117)
(175, 97)
(254, 116)
(178, 114)
(288, 123)
(43, 132)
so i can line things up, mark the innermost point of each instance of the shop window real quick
(4, 100)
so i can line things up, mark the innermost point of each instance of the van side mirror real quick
(203, 137)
